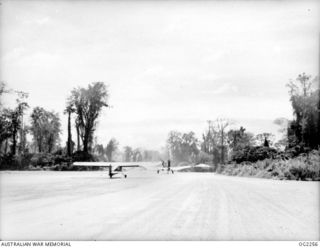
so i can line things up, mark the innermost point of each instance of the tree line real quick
(111, 152)
(217, 145)
(220, 143)
(84, 105)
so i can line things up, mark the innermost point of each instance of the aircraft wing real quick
(116, 164)
(178, 168)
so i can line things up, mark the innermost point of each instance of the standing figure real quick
(110, 172)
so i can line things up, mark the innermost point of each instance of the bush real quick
(253, 154)
(83, 157)
(17, 162)
(60, 159)
(296, 151)
(42, 159)
(55, 161)
(304, 167)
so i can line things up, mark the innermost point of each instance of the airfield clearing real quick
(46, 205)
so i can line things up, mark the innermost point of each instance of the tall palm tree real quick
(69, 110)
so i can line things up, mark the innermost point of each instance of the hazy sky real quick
(170, 65)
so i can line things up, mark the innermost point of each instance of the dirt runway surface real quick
(147, 206)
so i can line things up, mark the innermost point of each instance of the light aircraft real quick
(116, 167)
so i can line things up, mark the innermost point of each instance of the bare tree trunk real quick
(40, 144)
(20, 149)
(85, 147)
(86, 141)
(69, 149)
(222, 147)
(6, 147)
(50, 144)
(78, 137)
(14, 141)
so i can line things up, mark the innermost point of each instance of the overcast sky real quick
(170, 65)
